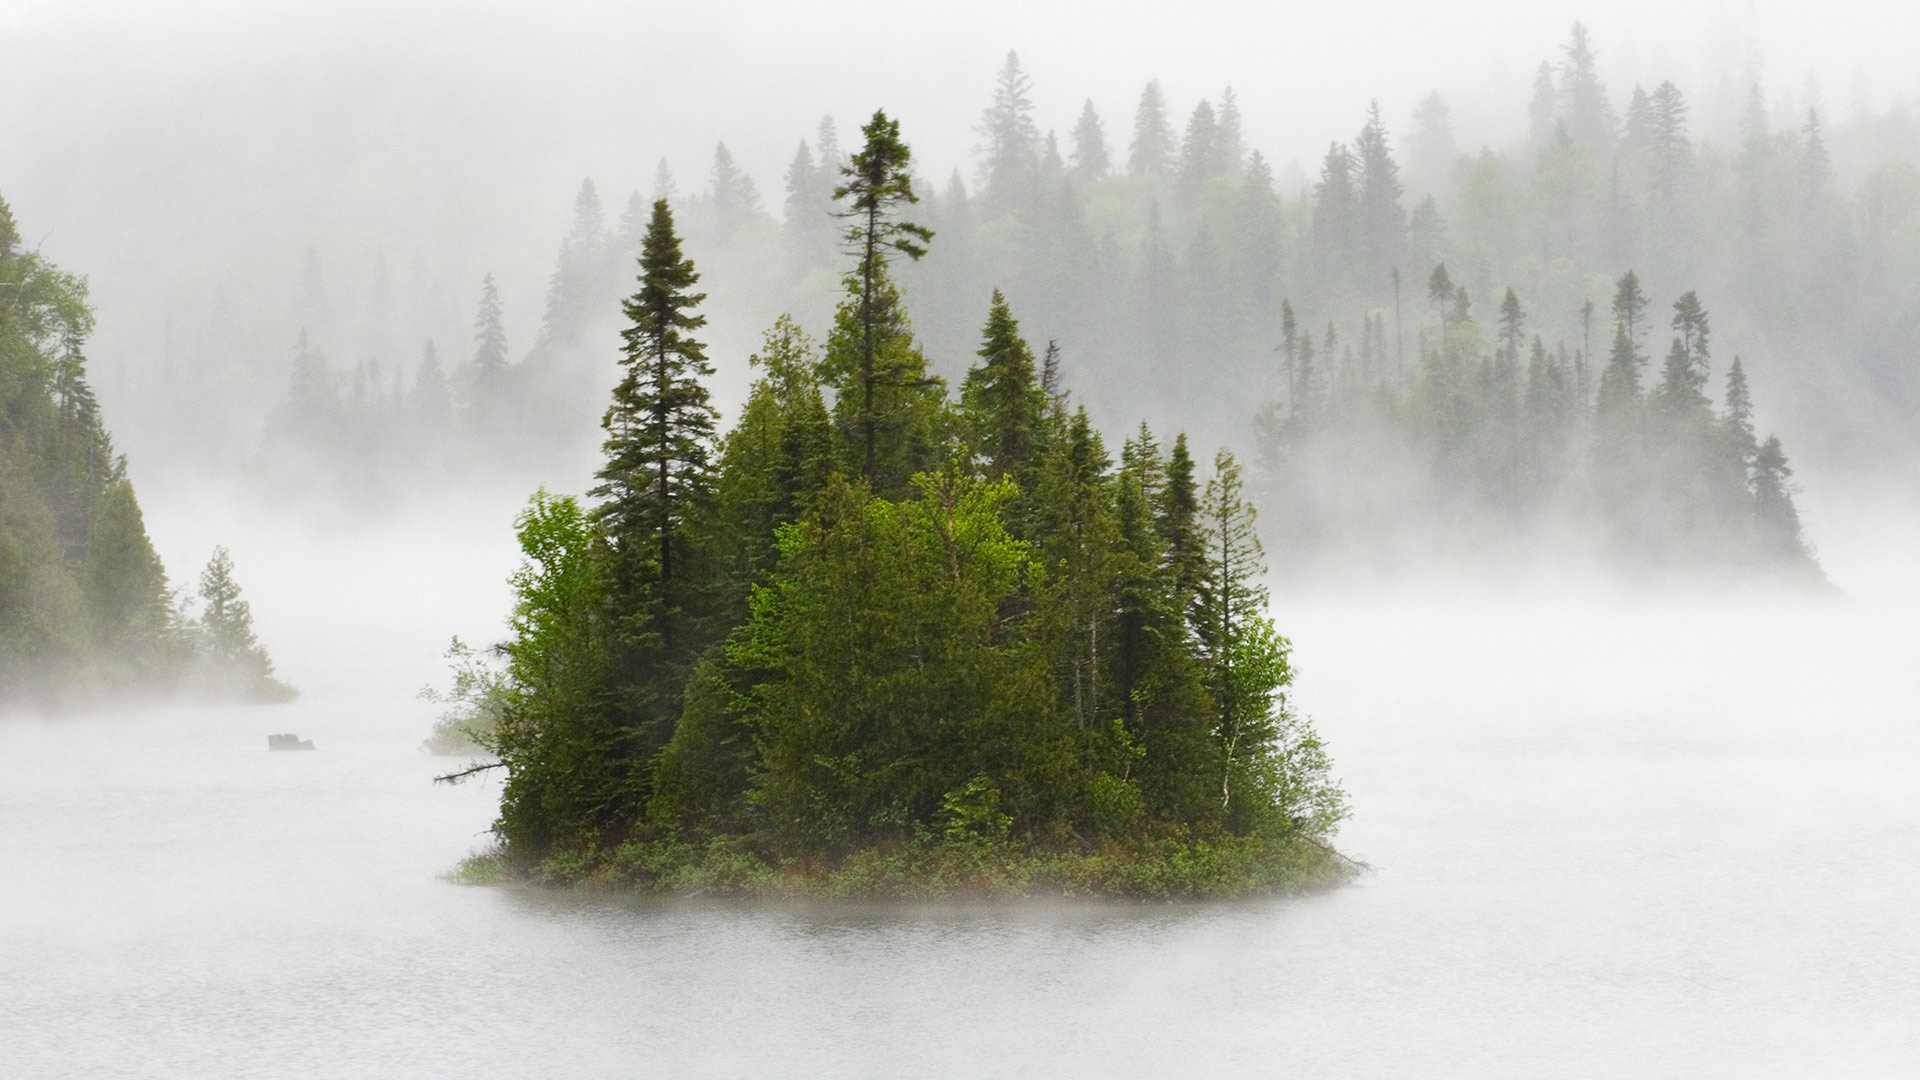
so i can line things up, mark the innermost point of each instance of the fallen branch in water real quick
(456, 777)
(1348, 859)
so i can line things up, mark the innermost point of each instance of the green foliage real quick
(475, 702)
(232, 662)
(952, 647)
(85, 607)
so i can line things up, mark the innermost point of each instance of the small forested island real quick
(86, 613)
(880, 639)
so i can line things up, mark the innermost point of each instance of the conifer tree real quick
(880, 378)
(1583, 100)
(489, 337)
(1199, 151)
(1778, 519)
(1383, 222)
(1541, 109)
(731, 194)
(1177, 516)
(1003, 393)
(1153, 148)
(1619, 393)
(1336, 233)
(234, 658)
(660, 427)
(1090, 159)
(1231, 138)
(1628, 303)
(1739, 414)
(581, 277)
(1011, 143)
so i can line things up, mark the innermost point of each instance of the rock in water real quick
(288, 742)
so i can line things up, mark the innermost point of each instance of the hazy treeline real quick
(878, 617)
(85, 607)
(1157, 247)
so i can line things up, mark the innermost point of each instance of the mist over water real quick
(1611, 834)
(1613, 828)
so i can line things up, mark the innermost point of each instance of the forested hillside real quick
(1185, 279)
(883, 638)
(85, 608)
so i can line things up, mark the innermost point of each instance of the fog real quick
(1634, 798)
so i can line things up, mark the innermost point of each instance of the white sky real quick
(161, 144)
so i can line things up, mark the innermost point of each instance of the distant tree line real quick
(883, 637)
(1159, 257)
(85, 608)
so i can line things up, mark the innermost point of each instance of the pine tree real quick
(1541, 109)
(1199, 151)
(1619, 394)
(234, 660)
(1231, 138)
(880, 378)
(731, 194)
(1583, 100)
(580, 280)
(1153, 148)
(1337, 226)
(1177, 516)
(657, 476)
(489, 336)
(1011, 165)
(1001, 391)
(1667, 146)
(1383, 222)
(1628, 303)
(1774, 512)
(1090, 160)
(1739, 415)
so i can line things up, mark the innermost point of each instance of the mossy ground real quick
(1168, 868)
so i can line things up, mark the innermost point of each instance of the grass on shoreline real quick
(1171, 868)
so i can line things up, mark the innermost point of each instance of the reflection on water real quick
(1612, 838)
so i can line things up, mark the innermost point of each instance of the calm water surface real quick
(1611, 839)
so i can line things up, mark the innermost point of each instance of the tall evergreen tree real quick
(1090, 160)
(1383, 222)
(1153, 150)
(660, 427)
(1004, 395)
(880, 378)
(1200, 158)
(1584, 109)
(1011, 147)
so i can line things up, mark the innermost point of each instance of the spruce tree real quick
(882, 387)
(1011, 145)
(1090, 159)
(1152, 152)
(235, 661)
(1177, 516)
(1199, 151)
(489, 343)
(1383, 222)
(1002, 392)
(660, 427)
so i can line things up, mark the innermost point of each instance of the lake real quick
(1610, 836)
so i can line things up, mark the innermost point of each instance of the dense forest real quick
(1183, 276)
(885, 638)
(85, 607)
